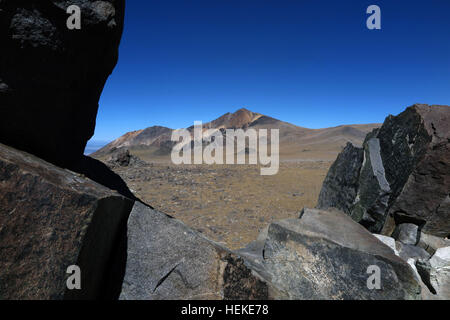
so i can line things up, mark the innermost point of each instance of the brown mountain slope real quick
(240, 119)
(296, 143)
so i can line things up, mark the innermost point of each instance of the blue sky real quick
(312, 63)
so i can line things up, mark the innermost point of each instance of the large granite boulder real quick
(404, 175)
(51, 77)
(168, 260)
(326, 255)
(52, 218)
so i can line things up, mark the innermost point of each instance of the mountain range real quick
(154, 143)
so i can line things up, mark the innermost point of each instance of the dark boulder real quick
(416, 151)
(52, 218)
(342, 181)
(404, 175)
(123, 158)
(51, 77)
(370, 207)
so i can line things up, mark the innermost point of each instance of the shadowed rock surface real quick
(404, 174)
(51, 77)
(51, 218)
(341, 183)
(99, 172)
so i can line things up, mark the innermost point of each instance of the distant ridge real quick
(295, 142)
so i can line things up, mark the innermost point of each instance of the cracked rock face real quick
(50, 219)
(342, 181)
(404, 174)
(373, 194)
(168, 260)
(326, 255)
(51, 77)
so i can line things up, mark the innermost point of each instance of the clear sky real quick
(313, 63)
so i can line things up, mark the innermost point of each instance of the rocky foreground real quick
(380, 230)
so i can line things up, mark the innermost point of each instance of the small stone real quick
(432, 243)
(389, 241)
(407, 233)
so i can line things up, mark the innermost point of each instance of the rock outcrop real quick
(326, 255)
(168, 260)
(123, 158)
(51, 77)
(403, 176)
(322, 255)
(50, 219)
(341, 183)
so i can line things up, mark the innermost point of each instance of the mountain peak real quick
(239, 119)
(243, 110)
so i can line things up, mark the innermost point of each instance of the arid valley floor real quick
(229, 204)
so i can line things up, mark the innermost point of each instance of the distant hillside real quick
(154, 143)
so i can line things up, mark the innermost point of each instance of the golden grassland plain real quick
(229, 204)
